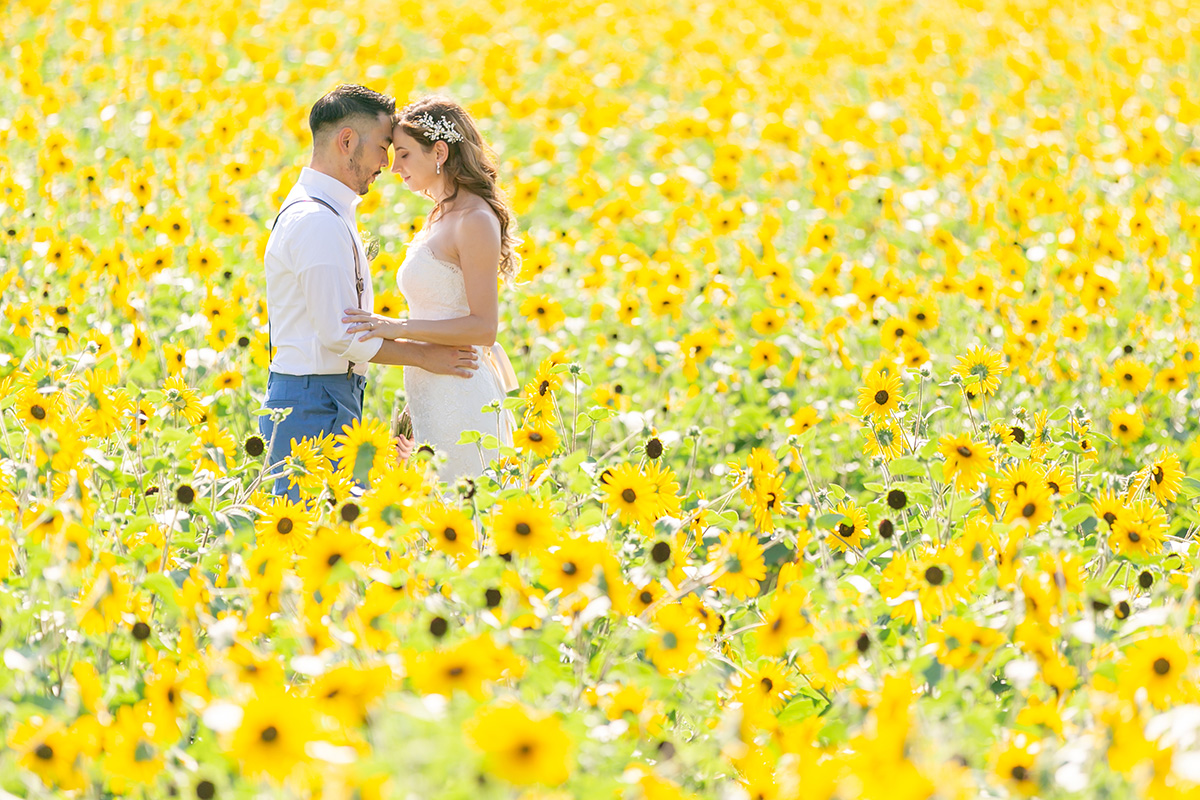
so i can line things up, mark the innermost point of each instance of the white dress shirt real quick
(310, 281)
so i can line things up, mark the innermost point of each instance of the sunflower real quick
(450, 531)
(273, 733)
(962, 644)
(1030, 506)
(802, 420)
(545, 311)
(1139, 530)
(1130, 374)
(1127, 427)
(626, 492)
(884, 439)
(464, 667)
(738, 558)
(104, 409)
(537, 437)
(1108, 506)
(37, 409)
(571, 564)
(364, 448)
(880, 396)
(49, 750)
(850, 532)
(1015, 767)
(767, 500)
(519, 746)
(327, 549)
(675, 648)
(966, 461)
(130, 758)
(214, 449)
(664, 486)
(347, 691)
(523, 526)
(181, 400)
(646, 595)
(980, 370)
(1158, 664)
(787, 618)
(284, 525)
(1059, 480)
(307, 465)
(1013, 479)
(1164, 477)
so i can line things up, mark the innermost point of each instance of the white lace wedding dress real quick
(443, 406)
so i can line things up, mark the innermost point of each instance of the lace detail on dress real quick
(443, 406)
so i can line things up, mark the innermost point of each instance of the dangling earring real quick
(439, 168)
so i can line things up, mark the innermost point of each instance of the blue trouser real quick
(321, 404)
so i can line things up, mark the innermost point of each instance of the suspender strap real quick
(358, 278)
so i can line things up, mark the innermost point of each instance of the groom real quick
(316, 267)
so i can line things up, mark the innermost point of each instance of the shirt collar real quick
(331, 188)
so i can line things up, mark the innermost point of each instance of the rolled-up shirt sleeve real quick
(324, 264)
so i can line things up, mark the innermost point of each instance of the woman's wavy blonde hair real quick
(469, 165)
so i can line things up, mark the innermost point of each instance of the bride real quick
(449, 278)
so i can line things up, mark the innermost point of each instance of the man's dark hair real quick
(346, 101)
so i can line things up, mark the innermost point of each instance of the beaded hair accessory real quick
(441, 128)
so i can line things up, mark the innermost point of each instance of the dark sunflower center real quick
(1135, 537)
(964, 451)
(1028, 510)
(449, 534)
(269, 733)
(523, 529)
(628, 495)
(37, 412)
(569, 568)
(333, 559)
(1158, 475)
(767, 684)
(881, 397)
(454, 672)
(44, 751)
(1019, 773)
(1110, 517)
(1161, 666)
(846, 530)
(284, 526)
(935, 575)
(535, 437)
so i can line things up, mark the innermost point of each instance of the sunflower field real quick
(858, 451)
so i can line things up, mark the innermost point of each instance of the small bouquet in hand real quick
(402, 429)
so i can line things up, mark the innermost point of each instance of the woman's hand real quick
(404, 446)
(372, 326)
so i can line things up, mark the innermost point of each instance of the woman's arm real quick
(477, 235)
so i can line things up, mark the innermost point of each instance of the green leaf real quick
(1018, 451)
(1189, 487)
(829, 520)
(1062, 412)
(1077, 515)
(469, 437)
(906, 465)
(363, 459)
(162, 587)
(837, 491)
